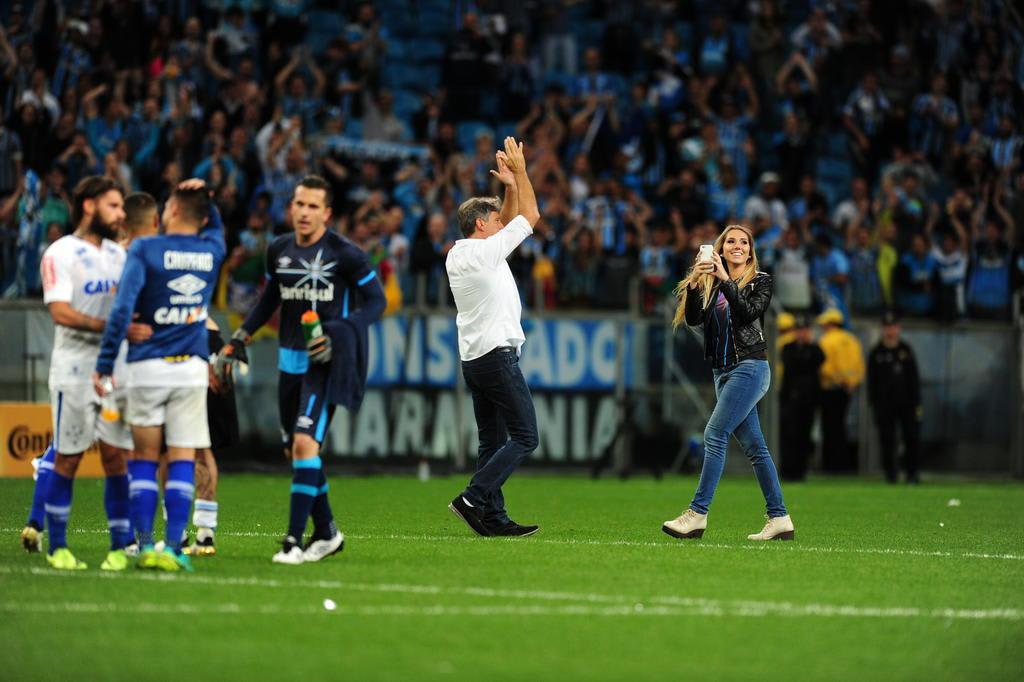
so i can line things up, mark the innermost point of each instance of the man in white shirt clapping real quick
(490, 338)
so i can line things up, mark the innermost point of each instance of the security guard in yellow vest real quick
(841, 374)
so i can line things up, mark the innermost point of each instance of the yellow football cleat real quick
(63, 560)
(117, 560)
(148, 557)
(168, 561)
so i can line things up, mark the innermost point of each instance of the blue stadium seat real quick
(578, 12)
(558, 78)
(589, 33)
(406, 103)
(354, 128)
(684, 30)
(400, 75)
(504, 129)
(323, 28)
(428, 77)
(435, 24)
(741, 41)
(489, 105)
(466, 131)
(399, 50)
(834, 176)
(438, 7)
(619, 84)
(390, 74)
(837, 144)
(400, 25)
(426, 49)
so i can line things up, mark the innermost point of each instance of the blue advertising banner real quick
(426, 423)
(566, 354)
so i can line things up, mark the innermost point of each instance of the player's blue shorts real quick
(302, 403)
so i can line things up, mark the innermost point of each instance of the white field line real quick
(813, 610)
(220, 581)
(696, 545)
(615, 604)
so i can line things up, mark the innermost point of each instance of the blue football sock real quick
(144, 493)
(305, 488)
(58, 509)
(323, 519)
(37, 514)
(116, 502)
(178, 492)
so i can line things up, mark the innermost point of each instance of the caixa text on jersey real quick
(180, 314)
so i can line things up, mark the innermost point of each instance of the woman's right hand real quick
(701, 269)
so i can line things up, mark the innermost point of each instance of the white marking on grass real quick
(717, 609)
(619, 602)
(219, 581)
(665, 544)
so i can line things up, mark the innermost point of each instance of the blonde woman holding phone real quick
(726, 294)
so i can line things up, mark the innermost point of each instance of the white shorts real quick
(77, 423)
(181, 410)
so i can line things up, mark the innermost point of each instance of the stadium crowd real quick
(873, 147)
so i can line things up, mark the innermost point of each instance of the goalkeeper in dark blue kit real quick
(315, 270)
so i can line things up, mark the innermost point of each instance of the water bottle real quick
(311, 327)
(108, 406)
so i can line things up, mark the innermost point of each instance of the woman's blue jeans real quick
(738, 390)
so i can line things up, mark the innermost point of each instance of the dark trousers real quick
(835, 449)
(797, 418)
(887, 420)
(507, 425)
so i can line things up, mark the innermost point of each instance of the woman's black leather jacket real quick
(746, 308)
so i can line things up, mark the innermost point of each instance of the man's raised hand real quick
(514, 158)
(504, 173)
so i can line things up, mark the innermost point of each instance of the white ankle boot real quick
(689, 526)
(776, 528)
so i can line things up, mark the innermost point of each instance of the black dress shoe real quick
(513, 529)
(472, 516)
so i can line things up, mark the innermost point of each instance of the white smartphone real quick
(704, 255)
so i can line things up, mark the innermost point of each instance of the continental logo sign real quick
(23, 443)
(26, 430)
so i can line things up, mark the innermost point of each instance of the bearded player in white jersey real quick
(80, 273)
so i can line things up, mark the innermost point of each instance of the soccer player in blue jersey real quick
(168, 281)
(313, 269)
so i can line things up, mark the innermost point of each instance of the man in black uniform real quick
(894, 391)
(801, 388)
(319, 270)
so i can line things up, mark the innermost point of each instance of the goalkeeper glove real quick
(319, 349)
(231, 354)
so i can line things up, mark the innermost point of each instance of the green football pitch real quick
(881, 583)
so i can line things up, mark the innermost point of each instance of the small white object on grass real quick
(941, 524)
(329, 604)
(954, 502)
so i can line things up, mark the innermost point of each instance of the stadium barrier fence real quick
(614, 392)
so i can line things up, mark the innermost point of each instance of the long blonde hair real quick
(706, 282)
